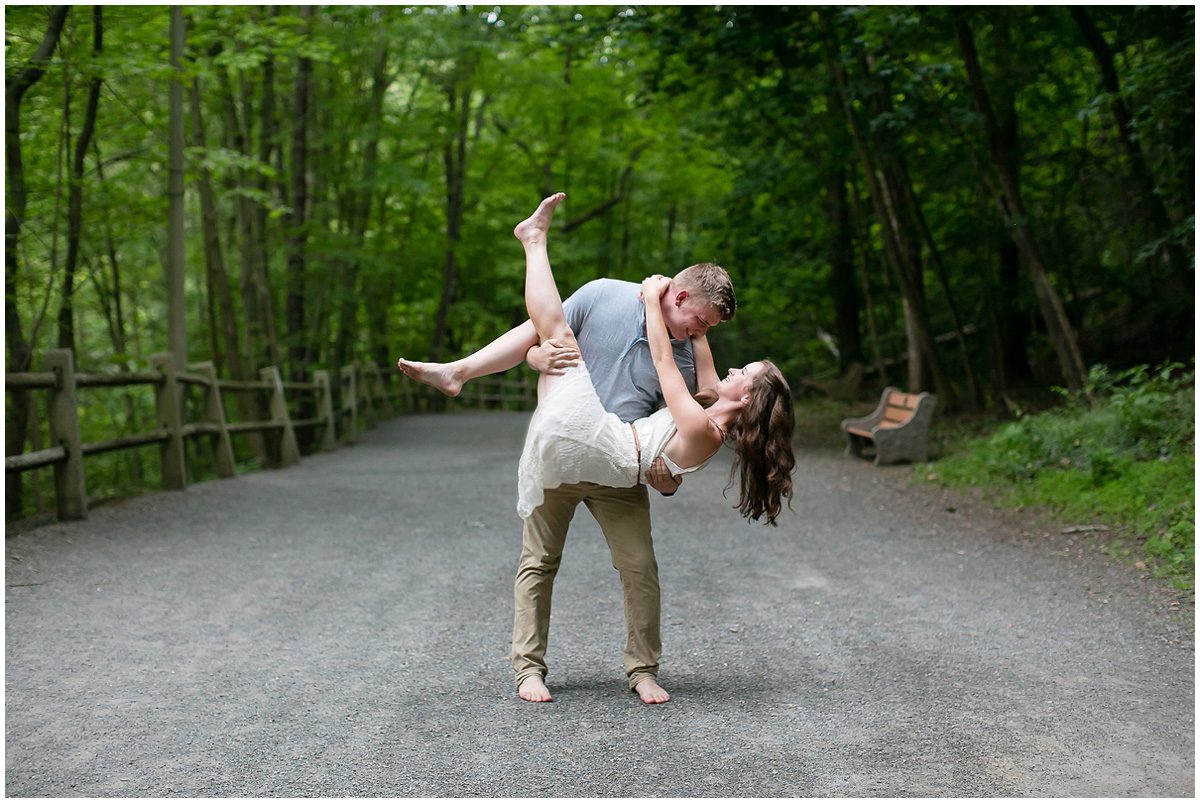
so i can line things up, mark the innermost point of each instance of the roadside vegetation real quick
(1118, 455)
(1115, 459)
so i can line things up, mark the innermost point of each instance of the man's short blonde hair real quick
(712, 283)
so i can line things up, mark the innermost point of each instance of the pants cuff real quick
(638, 677)
(528, 673)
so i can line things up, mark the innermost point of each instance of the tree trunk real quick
(15, 88)
(859, 227)
(117, 327)
(903, 211)
(114, 310)
(18, 347)
(454, 159)
(1152, 208)
(296, 314)
(257, 212)
(360, 211)
(974, 392)
(261, 347)
(899, 245)
(297, 337)
(66, 311)
(176, 338)
(330, 163)
(379, 297)
(1013, 326)
(254, 306)
(1002, 141)
(227, 353)
(843, 288)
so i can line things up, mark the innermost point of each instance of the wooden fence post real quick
(325, 408)
(169, 405)
(289, 451)
(214, 413)
(349, 405)
(70, 488)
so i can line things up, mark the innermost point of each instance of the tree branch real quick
(604, 206)
(18, 85)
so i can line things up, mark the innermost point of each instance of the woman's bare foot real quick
(438, 375)
(533, 690)
(537, 225)
(650, 692)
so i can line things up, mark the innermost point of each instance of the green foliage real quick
(711, 127)
(681, 134)
(1121, 451)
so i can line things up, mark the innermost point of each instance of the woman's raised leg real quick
(542, 300)
(506, 351)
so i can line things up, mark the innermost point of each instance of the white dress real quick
(572, 438)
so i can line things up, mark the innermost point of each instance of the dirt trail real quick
(340, 628)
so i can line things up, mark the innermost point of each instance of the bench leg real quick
(855, 444)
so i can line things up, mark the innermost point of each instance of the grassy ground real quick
(1119, 457)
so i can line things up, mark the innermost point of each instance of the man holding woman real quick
(608, 320)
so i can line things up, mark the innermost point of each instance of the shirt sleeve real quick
(579, 304)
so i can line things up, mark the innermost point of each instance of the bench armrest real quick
(869, 421)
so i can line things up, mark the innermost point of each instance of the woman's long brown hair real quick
(762, 446)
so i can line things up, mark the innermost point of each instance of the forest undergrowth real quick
(1115, 459)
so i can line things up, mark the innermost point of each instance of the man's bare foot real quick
(438, 375)
(537, 225)
(650, 692)
(533, 690)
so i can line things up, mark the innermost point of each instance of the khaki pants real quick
(624, 516)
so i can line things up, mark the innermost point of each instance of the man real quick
(608, 320)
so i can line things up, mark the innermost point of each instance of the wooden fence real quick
(366, 393)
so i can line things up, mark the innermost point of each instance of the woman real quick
(572, 438)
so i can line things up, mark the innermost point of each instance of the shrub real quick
(1120, 450)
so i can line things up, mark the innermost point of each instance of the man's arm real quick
(659, 477)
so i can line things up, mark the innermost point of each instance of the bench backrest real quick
(899, 407)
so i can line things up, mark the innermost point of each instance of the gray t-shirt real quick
(609, 322)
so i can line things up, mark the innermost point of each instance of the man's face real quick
(687, 316)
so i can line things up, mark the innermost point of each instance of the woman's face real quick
(737, 382)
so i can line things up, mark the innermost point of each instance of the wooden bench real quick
(898, 428)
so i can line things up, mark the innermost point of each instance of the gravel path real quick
(340, 628)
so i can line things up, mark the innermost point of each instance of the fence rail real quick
(366, 393)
